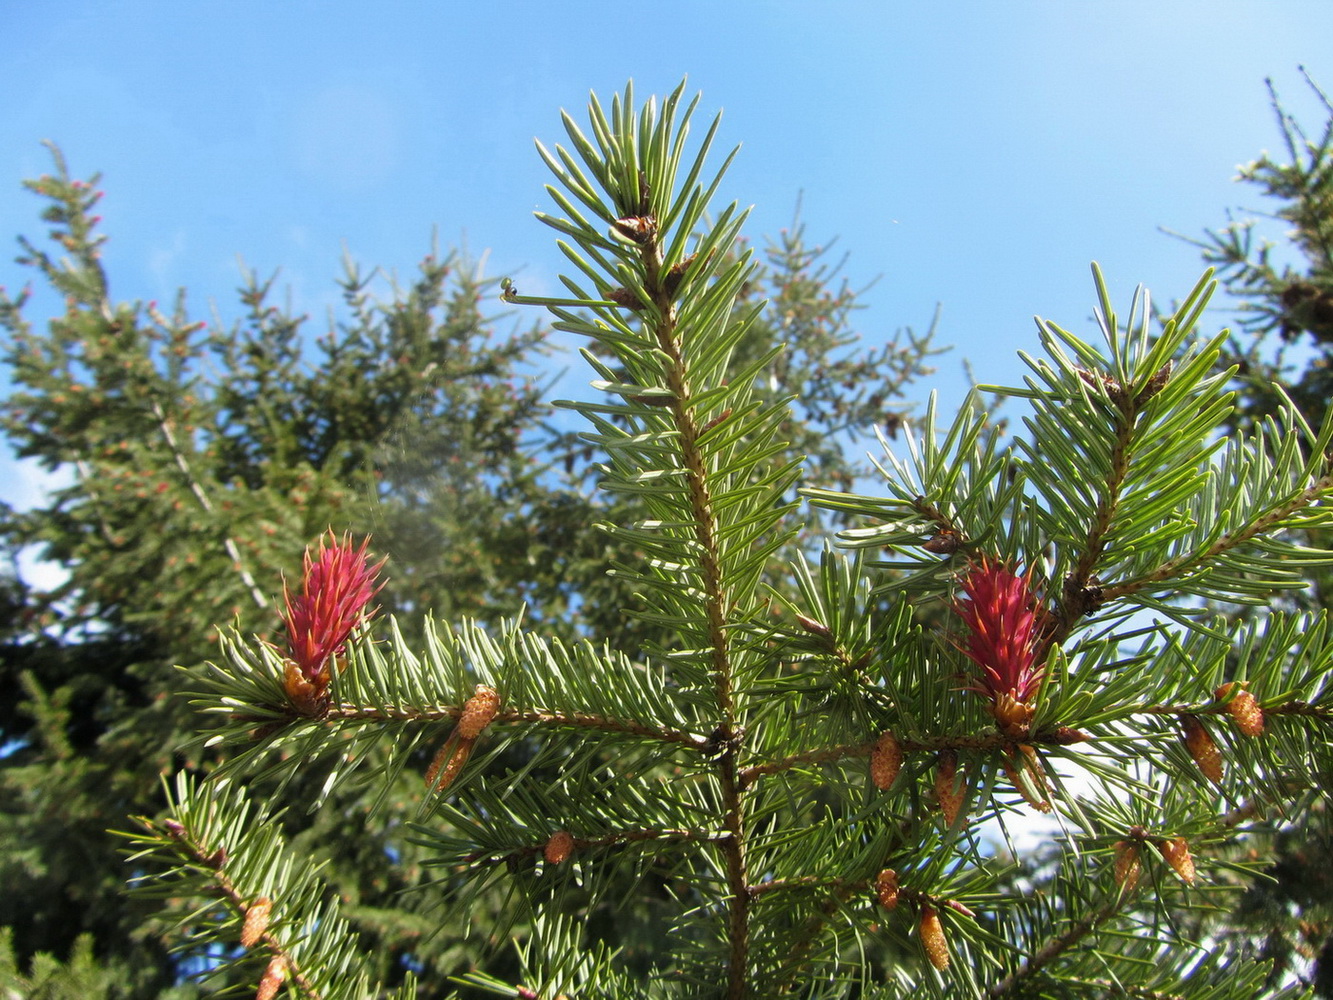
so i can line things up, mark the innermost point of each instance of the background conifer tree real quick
(200, 460)
(790, 776)
(1281, 283)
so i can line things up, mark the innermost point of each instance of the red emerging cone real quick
(1004, 621)
(336, 586)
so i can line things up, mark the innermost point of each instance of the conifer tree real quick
(186, 490)
(792, 779)
(1282, 288)
(201, 459)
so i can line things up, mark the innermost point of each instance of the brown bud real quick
(175, 828)
(949, 789)
(932, 937)
(1243, 707)
(559, 847)
(943, 543)
(256, 921)
(886, 889)
(638, 229)
(478, 712)
(306, 696)
(676, 273)
(957, 907)
(1110, 386)
(626, 297)
(271, 982)
(716, 420)
(1066, 735)
(1202, 748)
(1155, 385)
(1177, 854)
(1128, 868)
(814, 626)
(1023, 767)
(886, 760)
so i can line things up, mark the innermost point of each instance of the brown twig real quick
(1058, 736)
(1054, 948)
(215, 861)
(536, 717)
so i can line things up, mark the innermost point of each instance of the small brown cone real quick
(1202, 748)
(886, 889)
(1243, 708)
(1177, 854)
(449, 760)
(256, 921)
(950, 791)
(272, 980)
(886, 760)
(559, 847)
(1128, 867)
(932, 937)
(478, 712)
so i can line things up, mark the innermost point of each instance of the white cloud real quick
(162, 264)
(24, 484)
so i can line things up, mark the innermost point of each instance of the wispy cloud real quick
(348, 138)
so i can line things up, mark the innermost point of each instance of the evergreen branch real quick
(215, 846)
(717, 600)
(674, 469)
(1184, 565)
(1054, 948)
(1108, 501)
(254, 911)
(1080, 586)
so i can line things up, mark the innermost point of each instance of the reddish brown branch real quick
(1058, 736)
(577, 844)
(1054, 948)
(1189, 563)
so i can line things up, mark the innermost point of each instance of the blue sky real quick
(972, 155)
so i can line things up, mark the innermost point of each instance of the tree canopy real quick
(201, 459)
(788, 768)
(660, 684)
